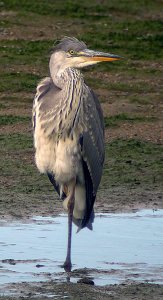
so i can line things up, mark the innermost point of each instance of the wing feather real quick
(42, 88)
(90, 198)
(93, 138)
(46, 107)
(92, 146)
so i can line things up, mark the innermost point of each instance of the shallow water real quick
(122, 247)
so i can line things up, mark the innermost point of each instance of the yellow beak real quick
(90, 55)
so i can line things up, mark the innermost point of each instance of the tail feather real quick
(80, 209)
(80, 202)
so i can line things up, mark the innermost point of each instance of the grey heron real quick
(69, 132)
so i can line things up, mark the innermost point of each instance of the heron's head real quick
(72, 53)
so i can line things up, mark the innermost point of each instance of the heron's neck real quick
(63, 78)
(71, 84)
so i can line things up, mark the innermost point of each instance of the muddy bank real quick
(53, 290)
(18, 206)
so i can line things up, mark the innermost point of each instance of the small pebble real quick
(39, 266)
(86, 281)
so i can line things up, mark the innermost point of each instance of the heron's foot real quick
(67, 265)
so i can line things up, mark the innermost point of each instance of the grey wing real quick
(46, 106)
(43, 106)
(42, 88)
(93, 137)
(99, 109)
(92, 145)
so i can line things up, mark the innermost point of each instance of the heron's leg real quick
(70, 205)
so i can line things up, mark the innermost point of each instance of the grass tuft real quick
(10, 119)
(18, 82)
(117, 119)
(133, 162)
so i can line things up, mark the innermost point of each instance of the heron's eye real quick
(71, 52)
